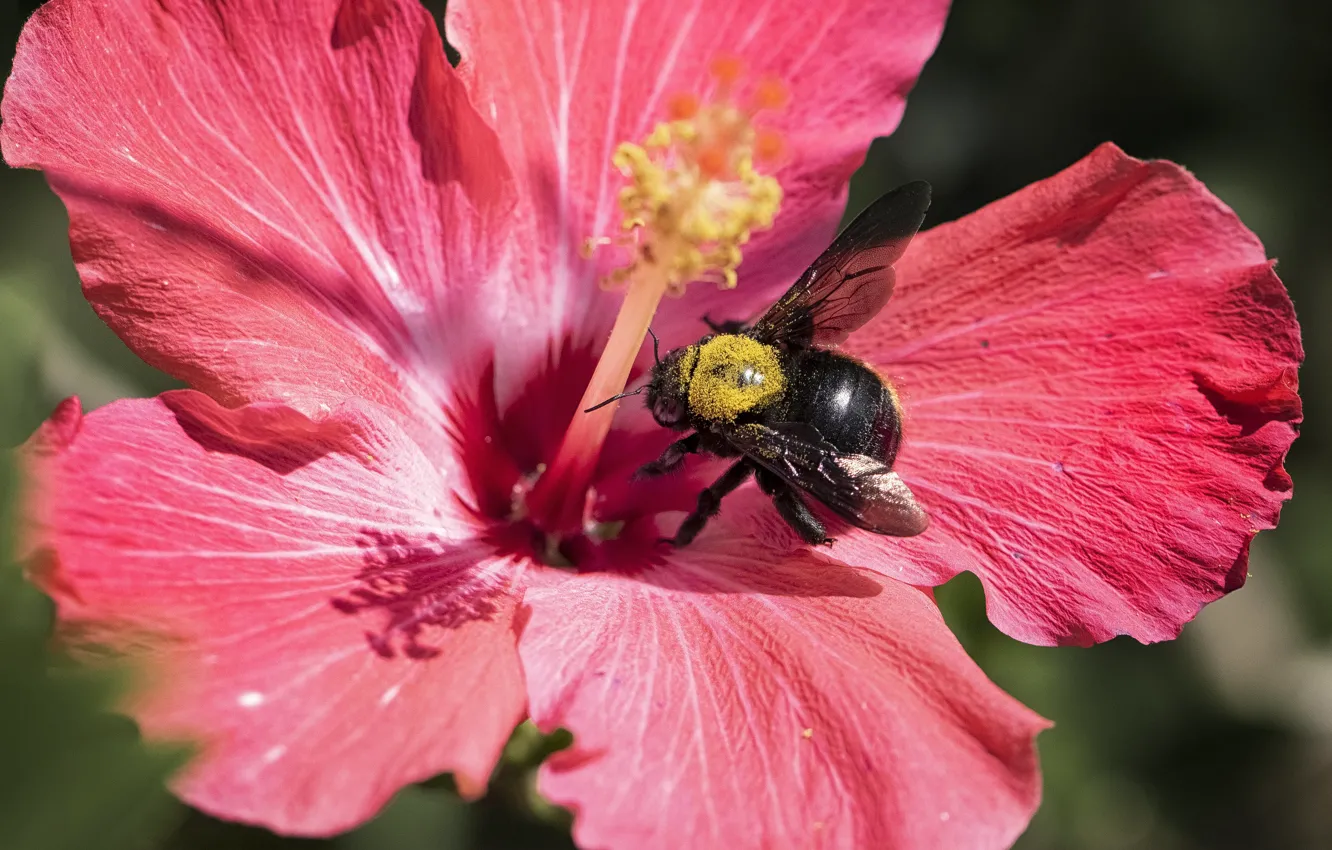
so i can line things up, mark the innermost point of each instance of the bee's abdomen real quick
(853, 408)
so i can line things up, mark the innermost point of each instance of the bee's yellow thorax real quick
(733, 374)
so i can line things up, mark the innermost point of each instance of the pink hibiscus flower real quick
(338, 546)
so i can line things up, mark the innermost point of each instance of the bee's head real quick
(668, 388)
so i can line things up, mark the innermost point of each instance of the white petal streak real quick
(600, 220)
(682, 35)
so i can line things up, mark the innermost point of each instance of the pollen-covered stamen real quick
(695, 195)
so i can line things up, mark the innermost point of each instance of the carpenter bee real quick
(800, 416)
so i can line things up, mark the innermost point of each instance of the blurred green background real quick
(1222, 739)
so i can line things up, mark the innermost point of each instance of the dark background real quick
(1222, 739)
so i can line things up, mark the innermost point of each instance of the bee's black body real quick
(799, 416)
(846, 401)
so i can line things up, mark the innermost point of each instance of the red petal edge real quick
(728, 696)
(313, 610)
(1099, 378)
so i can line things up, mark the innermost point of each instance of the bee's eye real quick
(666, 411)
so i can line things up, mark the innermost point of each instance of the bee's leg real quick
(709, 502)
(793, 508)
(729, 326)
(670, 459)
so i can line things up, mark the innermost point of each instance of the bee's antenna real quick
(656, 355)
(615, 398)
(656, 352)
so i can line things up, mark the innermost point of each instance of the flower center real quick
(694, 196)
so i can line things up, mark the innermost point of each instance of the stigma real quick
(695, 191)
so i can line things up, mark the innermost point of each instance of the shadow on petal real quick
(273, 435)
(741, 552)
(423, 588)
(357, 303)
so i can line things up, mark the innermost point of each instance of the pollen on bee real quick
(695, 193)
(734, 374)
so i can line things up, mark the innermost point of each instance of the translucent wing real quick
(860, 489)
(852, 280)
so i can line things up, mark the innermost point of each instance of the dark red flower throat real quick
(606, 524)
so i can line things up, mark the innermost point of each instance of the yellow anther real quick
(694, 196)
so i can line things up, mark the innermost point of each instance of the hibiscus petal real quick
(566, 81)
(267, 200)
(722, 697)
(1099, 376)
(315, 611)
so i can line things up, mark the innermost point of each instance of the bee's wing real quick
(860, 489)
(852, 280)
